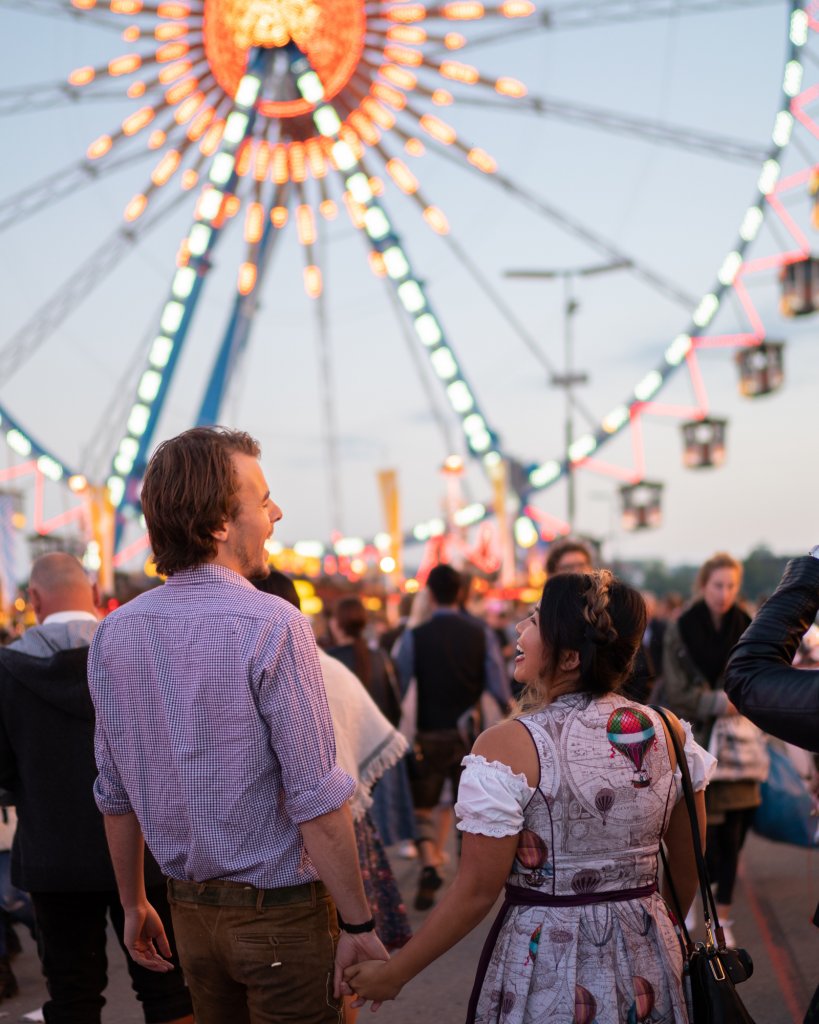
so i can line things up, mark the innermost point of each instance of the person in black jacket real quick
(760, 679)
(59, 854)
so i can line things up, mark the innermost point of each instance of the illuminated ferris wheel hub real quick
(330, 33)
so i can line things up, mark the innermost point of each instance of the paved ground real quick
(778, 892)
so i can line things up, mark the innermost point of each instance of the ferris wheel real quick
(298, 130)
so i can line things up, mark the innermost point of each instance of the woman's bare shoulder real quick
(509, 742)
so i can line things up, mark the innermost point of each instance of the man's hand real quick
(372, 980)
(145, 938)
(355, 949)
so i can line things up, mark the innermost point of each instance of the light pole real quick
(569, 379)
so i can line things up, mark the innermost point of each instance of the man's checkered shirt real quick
(213, 727)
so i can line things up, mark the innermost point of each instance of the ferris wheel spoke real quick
(48, 96)
(707, 143)
(61, 9)
(579, 230)
(567, 16)
(39, 328)
(58, 185)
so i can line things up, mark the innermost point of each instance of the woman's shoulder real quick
(508, 744)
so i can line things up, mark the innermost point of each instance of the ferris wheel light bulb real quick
(542, 475)
(18, 442)
(460, 397)
(582, 447)
(199, 239)
(248, 91)
(310, 87)
(210, 204)
(222, 168)
(343, 156)
(411, 296)
(327, 121)
(183, 281)
(160, 352)
(616, 418)
(428, 329)
(751, 223)
(376, 224)
(792, 82)
(395, 262)
(172, 317)
(479, 441)
(50, 468)
(359, 186)
(116, 490)
(235, 127)
(783, 128)
(443, 362)
(799, 28)
(648, 386)
(769, 176)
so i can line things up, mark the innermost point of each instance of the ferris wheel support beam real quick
(177, 314)
(23, 444)
(482, 442)
(237, 332)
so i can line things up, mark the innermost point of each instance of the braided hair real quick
(601, 618)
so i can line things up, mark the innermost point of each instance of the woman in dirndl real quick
(566, 805)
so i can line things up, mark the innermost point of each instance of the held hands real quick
(352, 950)
(373, 980)
(145, 939)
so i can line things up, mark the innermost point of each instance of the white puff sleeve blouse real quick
(491, 798)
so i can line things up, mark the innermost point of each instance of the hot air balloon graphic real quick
(631, 734)
(508, 1003)
(585, 1006)
(640, 1010)
(603, 801)
(532, 854)
(586, 880)
(534, 943)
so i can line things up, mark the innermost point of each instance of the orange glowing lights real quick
(328, 209)
(247, 278)
(378, 112)
(406, 34)
(190, 178)
(138, 120)
(212, 138)
(305, 224)
(136, 207)
(232, 205)
(171, 10)
(463, 11)
(516, 8)
(457, 72)
(437, 220)
(186, 109)
(84, 5)
(157, 138)
(510, 87)
(171, 51)
(136, 90)
(312, 281)
(355, 210)
(365, 128)
(261, 165)
(402, 176)
(131, 34)
(279, 164)
(404, 55)
(442, 98)
(180, 91)
(124, 65)
(438, 129)
(454, 41)
(200, 123)
(482, 160)
(174, 71)
(407, 13)
(298, 162)
(170, 30)
(397, 100)
(254, 223)
(315, 157)
(81, 76)
(125, 6)
(376, 186)
(166, 167)
(278, 216)
(398, 76)
(377, 265)
(415, 147)
(99, 147)
(330, 33)
(243, 158)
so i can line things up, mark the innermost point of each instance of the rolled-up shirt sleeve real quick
(109, 792)
(293, 703)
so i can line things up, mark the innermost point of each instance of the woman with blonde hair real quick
(567, 805)
(696, 651)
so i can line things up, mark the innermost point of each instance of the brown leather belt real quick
(223, 893)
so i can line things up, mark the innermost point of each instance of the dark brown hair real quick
(721, 560)
(601, 618)
(351, 617)
(189, 492)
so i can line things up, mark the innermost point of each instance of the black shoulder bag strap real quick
(713, 929)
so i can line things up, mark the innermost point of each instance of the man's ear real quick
(35, 600)
(222, 533)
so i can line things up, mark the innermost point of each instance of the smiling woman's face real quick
(529, 655)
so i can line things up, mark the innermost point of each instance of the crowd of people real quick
(197, 769)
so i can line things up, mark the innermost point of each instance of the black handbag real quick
(711, 970)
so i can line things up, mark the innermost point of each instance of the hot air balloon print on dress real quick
(532, 854)
(534, 944)
(630, 733)
(640, 1010)
(586, 880)
(585, 1006)
(603, 801)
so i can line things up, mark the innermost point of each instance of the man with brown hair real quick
(214, 741)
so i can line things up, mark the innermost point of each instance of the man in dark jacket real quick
(760, 679)
(447, 657)
(59, 854)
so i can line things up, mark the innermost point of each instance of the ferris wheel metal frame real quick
(284, 75)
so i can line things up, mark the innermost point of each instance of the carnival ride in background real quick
(278, 114)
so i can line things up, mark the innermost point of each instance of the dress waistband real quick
(517, 896)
